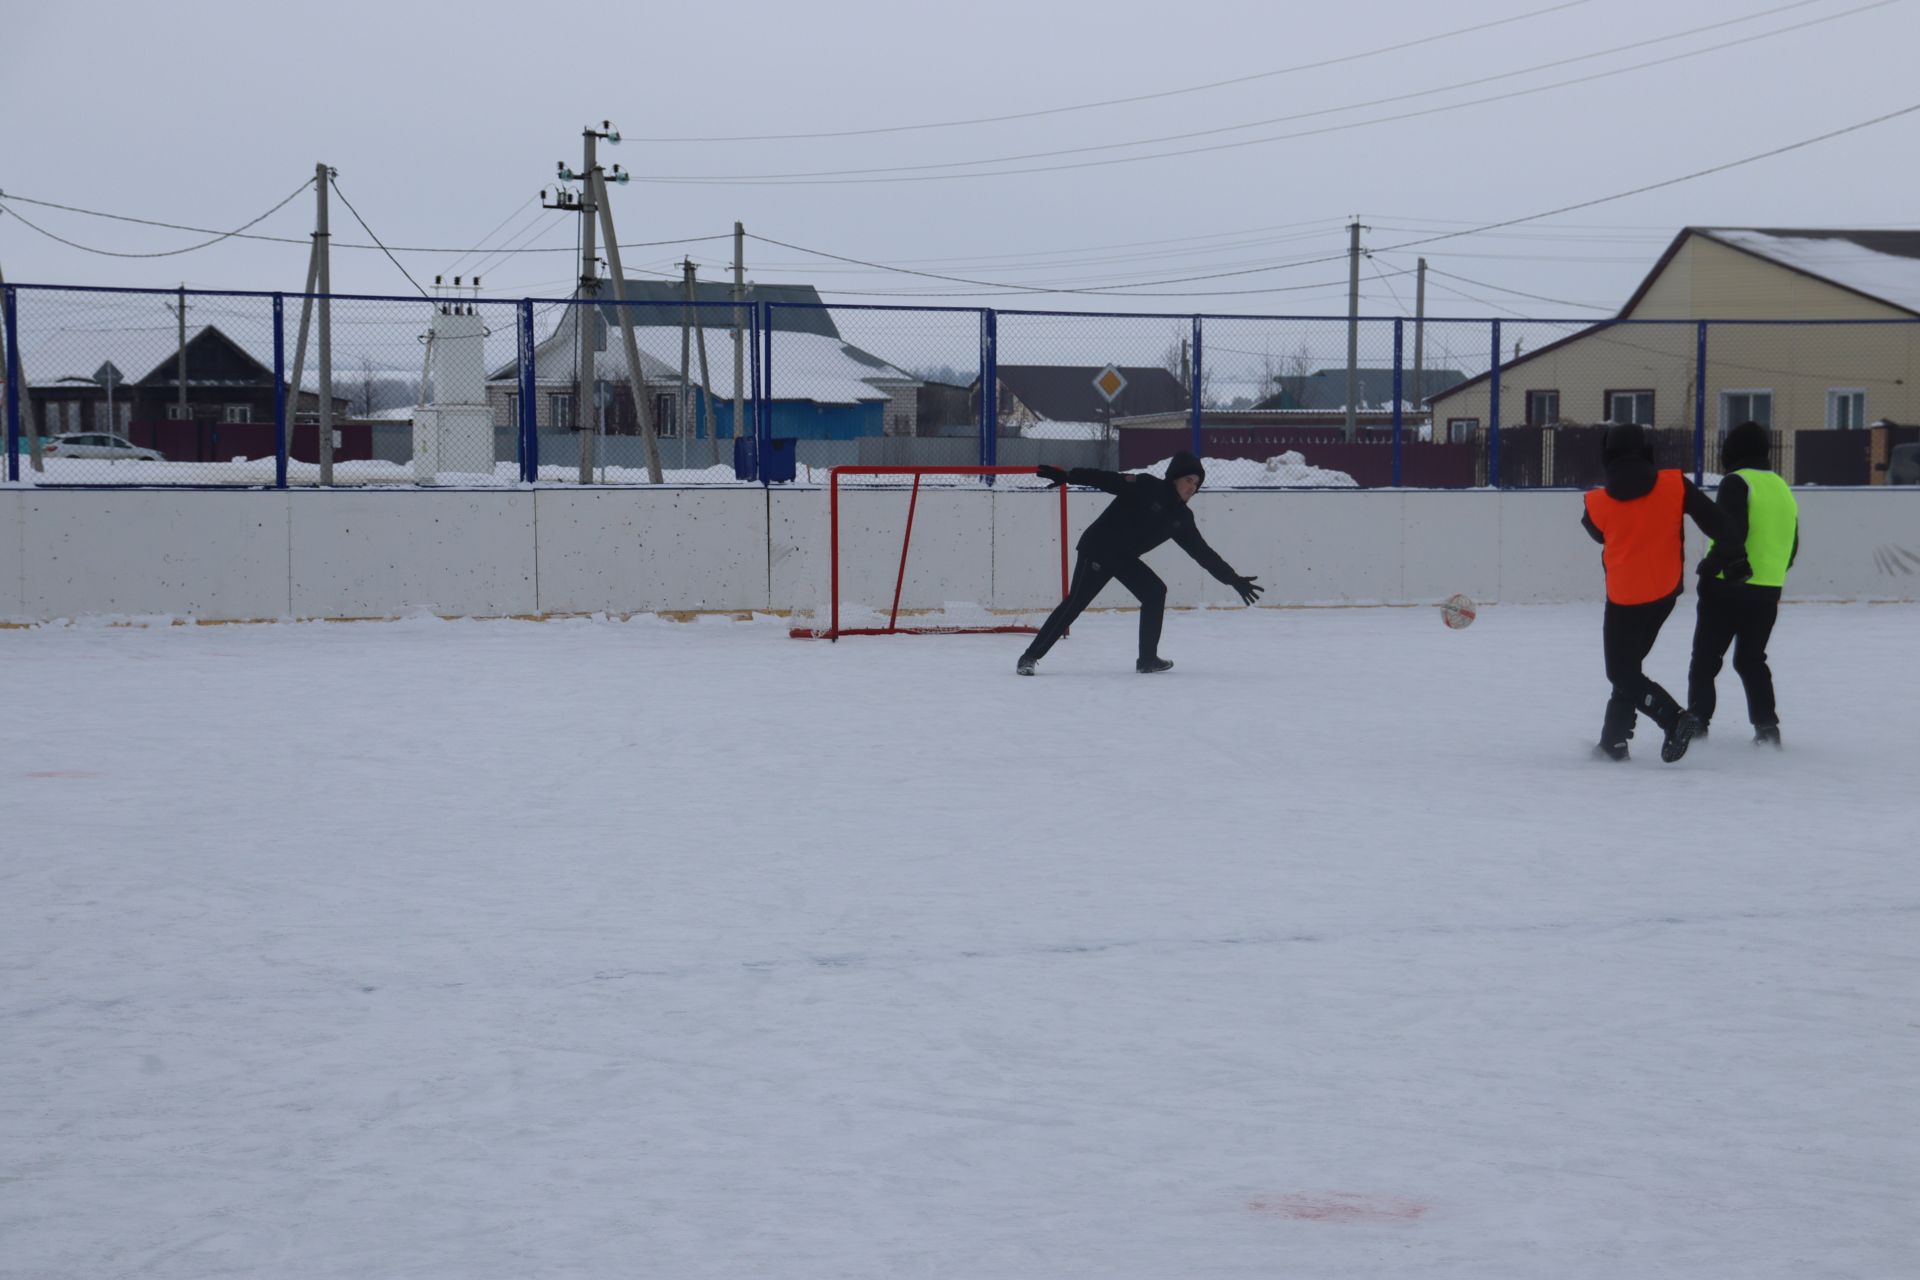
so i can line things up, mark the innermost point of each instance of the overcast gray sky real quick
(445, 120)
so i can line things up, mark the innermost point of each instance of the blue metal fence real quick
(1494, 402)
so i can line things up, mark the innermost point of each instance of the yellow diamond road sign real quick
(1109, 382)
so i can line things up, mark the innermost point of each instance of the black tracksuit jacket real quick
(1145, 513)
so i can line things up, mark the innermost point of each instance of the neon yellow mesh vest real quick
(1773, 517)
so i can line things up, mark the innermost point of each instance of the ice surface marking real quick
(1338, 1206)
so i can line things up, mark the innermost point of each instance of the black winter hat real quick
(1185, 464)
(1747, 445)
(1625, 440)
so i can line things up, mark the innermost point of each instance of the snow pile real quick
(1289, 470)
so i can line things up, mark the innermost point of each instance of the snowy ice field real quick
(497, 950)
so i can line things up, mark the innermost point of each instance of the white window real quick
(1462, 430)
(176, 411)
(1846, 409)
(513, 409)
(123, 417)
(666, 416)
(560, 411)
(237, 413)
(1629, 406)
(1543, 407)
(1745, 405)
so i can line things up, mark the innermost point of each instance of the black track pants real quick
(1627, 636)
(1089, 576)
(1741, 616)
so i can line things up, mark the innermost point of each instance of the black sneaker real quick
(1150, 666)
(1766, 735)
(1025, 665)
(1610, 751)
(1680, 737)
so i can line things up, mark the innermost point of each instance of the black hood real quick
(1627, 451)
(1630, 478)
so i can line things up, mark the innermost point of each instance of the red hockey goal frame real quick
(893, 628)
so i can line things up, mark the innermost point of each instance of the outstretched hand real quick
(1053, 475)
(1245, 585)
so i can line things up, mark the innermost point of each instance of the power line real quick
(370, 235)
(1143, 97)
(1519, 293)
(1119, 291)
(517, 212)
(926, 172)
(240, 235)
(1390, 289)
(168, 253)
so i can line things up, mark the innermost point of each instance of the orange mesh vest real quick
(1644, 551)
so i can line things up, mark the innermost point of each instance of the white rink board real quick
(262, 555)
(1026, 544)
(1449, 542)
(949, 561)
(628, 550)
(382, 554)
(1843, 529)
(13, 589)
(213, 556)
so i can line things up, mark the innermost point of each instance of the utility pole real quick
(595, 201)
(322, 249)
(180, 367)
(739, 330)
(299, 370)
(586, 317)
(686, 354)
(1420, 336)
(706, 375)
(1353, 327)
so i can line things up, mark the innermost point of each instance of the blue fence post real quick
(279, 391)
(1193, 396)
(1700, 407)
(989, 387)
(743, 468)
(529, 422)
(763, 441)
(11, 318)
(1493, 414)
(1399, 336)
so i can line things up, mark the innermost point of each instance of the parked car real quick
(100, 446)
(1903, 467)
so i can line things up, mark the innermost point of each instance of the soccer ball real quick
(1457, 612)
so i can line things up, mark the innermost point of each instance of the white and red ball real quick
(1457, 612)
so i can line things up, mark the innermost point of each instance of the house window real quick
(560, 415)
(1543, 407)
(513, 409)
(1745, 405)
(1846, 409)
(1629, 406)
(666, 416)
(1462, 430)
(177, 412)
(236, 413)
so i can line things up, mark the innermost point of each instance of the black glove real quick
(1733, 568)
(1053, 475)
(1245, 586)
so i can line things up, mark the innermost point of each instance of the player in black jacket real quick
(1146, 512)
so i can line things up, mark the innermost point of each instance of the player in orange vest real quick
(1638, 519)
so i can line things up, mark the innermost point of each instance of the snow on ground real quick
(493, 950)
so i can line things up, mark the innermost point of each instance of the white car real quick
(100, 446)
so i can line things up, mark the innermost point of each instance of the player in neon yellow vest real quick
(1741, 579)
